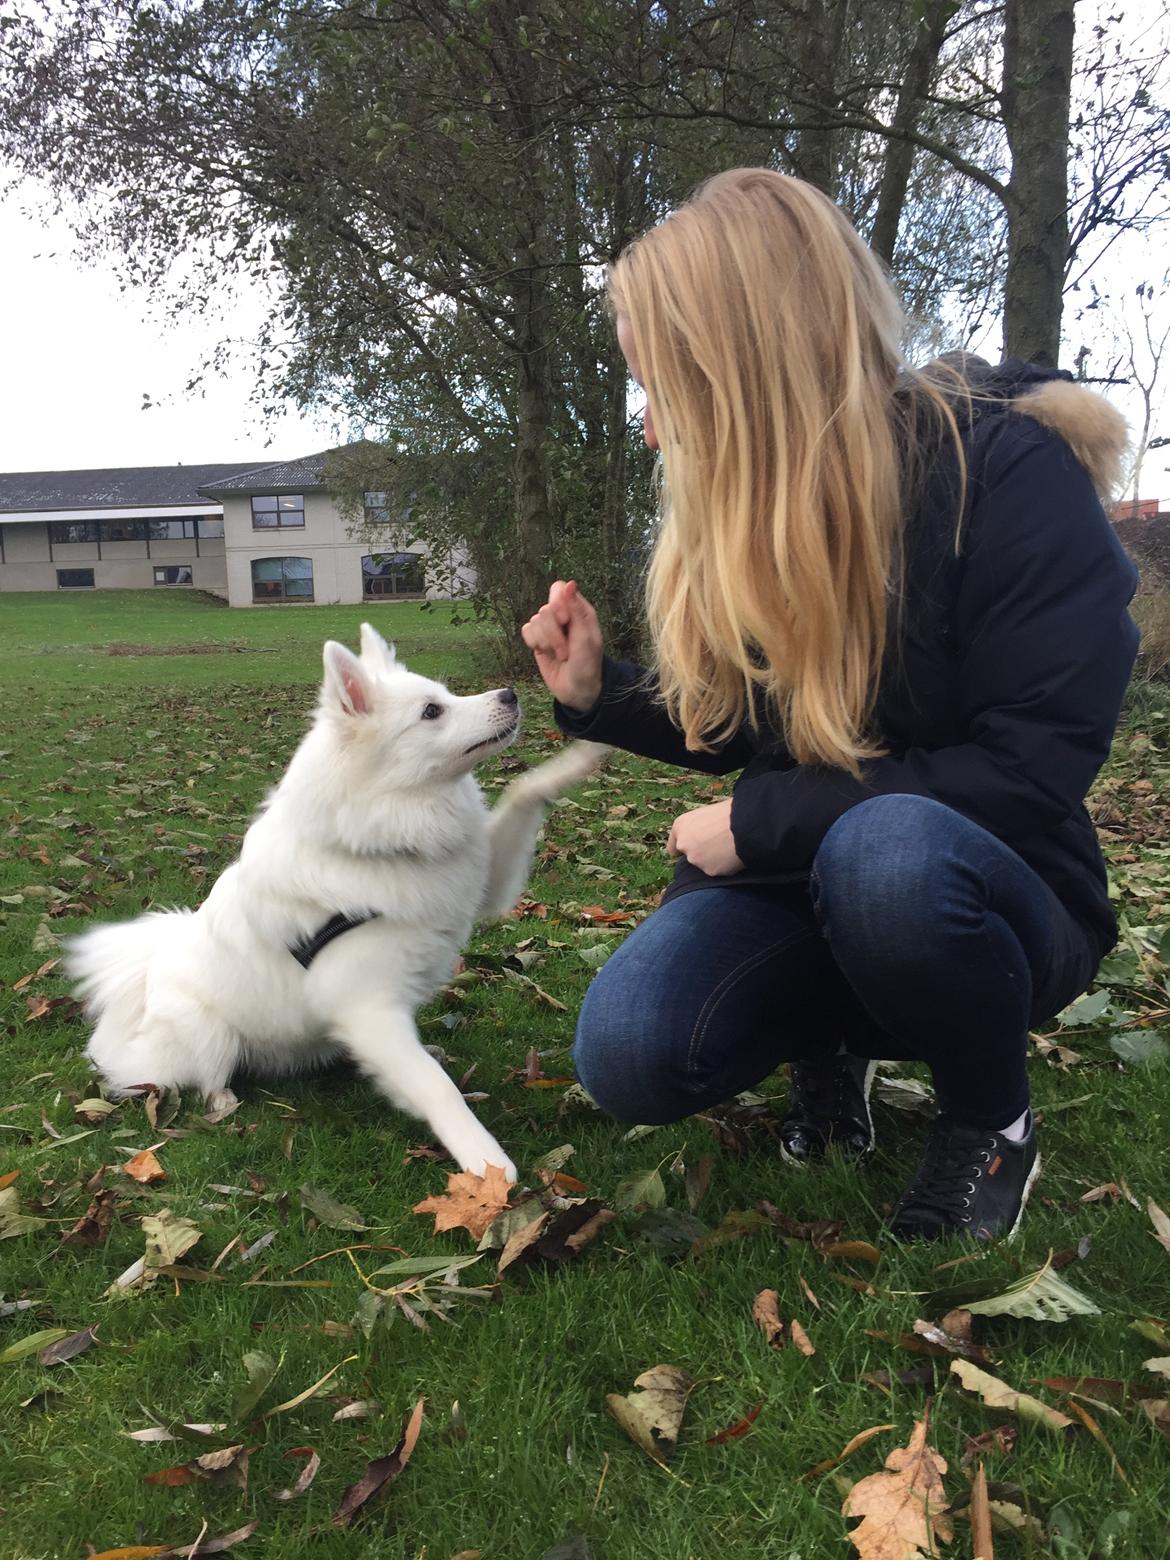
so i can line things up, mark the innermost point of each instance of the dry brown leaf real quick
(853, 1250)
(307, 1474)
(999, 1441)
(653, 1416)
(904, 1509)
(470, 1203)
(766, 1315)
(382, 1470)
(66, 1348)
(145, 1168)
(1157, 1411)
(1161, 1222)
(739, 1428)
(982, 1538)
(847, 1450)
(997, 1394)
(557, 1235)
(94, 1225)
(812, 1299)
(1098, 1434)
(800, 1338)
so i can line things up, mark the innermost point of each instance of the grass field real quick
(126, 780)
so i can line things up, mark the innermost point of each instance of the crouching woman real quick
(893, 600)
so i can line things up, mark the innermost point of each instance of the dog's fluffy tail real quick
(108, 965)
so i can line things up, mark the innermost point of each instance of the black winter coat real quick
(1002, 691)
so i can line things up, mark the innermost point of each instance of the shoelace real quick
(947, 1177)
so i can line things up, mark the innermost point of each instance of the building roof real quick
(162, 487)
(283, 476)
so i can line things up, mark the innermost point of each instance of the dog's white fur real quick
(378, 811)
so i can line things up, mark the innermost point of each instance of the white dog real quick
(356, 887)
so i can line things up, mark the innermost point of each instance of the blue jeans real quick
(920, 937)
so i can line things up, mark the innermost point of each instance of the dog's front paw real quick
(552, 779)
(478, 1164)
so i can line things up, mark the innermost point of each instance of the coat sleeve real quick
(629, 714)
(1046, 646)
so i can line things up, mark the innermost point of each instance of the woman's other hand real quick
(704, 837)
(565, 638)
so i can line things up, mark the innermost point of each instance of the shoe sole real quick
(803, 1164)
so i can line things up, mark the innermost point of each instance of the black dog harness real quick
(305, 951)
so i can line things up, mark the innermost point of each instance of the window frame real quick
(279, 505)
(172, 568)
(283, 597)
(90, 584)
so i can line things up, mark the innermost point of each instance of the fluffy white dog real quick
(356, 887)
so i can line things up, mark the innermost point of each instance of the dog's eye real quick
(432, 712)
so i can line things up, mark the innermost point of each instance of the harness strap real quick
(305, 951)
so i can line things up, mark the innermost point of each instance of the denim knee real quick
(892, 870)
(633, 1067)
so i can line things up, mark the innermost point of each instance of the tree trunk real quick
(533, 395)
(815, 158)
(1037, 78)
(899, 154)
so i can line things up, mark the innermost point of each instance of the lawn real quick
(126, 780)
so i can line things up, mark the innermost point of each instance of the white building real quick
(255, 535)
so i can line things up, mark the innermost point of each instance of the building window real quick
(210, 525)
(180, 529)
(393, 574)
(173, 574)
(282, 579)
(124, 530)
(376, 512)
(74, 579)
(272, 513)
(61, 531)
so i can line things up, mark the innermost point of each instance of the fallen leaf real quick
(1157, 1411)
(260, 1370)
(66, 1348)
(228, 1105)
(7, 1179)
(667, 1229)
(93, 1112)
(982, 1539)
(1159, 1365)
(1108, 1189)
(652, 1415)
(307, 1474)
(327, 1210)
(134, 1552)
(1040, 1295)
(213, 1546)
(819, 1232)
(12, 1221)
(303, 1397)
(154, 1433)
(557, 1235)
(1161, 1222)
(697, 1180)
(766, 1315)
(381, 1471)
(26, 980)
(1000, 1441)
(1099, 1435)
(954, 1339)
(225, 1465)
(740, 1427)
(94, 1225)
(360, 1408)
(847, 1450)
(884, 1380)
(905, 1094)
(854, 1250)
(644, 1190)
(470, 1203)
(903, 1510)
(32, 1343)
(739, 1224)
(997, 1394)
(801, 1340)
(167, 1238)
(145, 1168)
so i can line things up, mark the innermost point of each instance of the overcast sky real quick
(80, 356)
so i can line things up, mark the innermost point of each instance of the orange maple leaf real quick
(904, 1509)
(471, 1201)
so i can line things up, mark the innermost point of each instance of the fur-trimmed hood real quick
(1093, 429)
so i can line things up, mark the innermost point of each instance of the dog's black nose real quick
(507, 696)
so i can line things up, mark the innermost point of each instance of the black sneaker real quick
(828, 1104)
(970, 1182)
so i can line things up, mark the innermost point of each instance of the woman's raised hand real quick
(565, 638)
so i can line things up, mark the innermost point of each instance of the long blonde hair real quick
(768, 339)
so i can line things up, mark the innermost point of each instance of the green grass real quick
(126, 781)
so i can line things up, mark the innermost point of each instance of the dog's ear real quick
(375, 648)
(347, 684)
